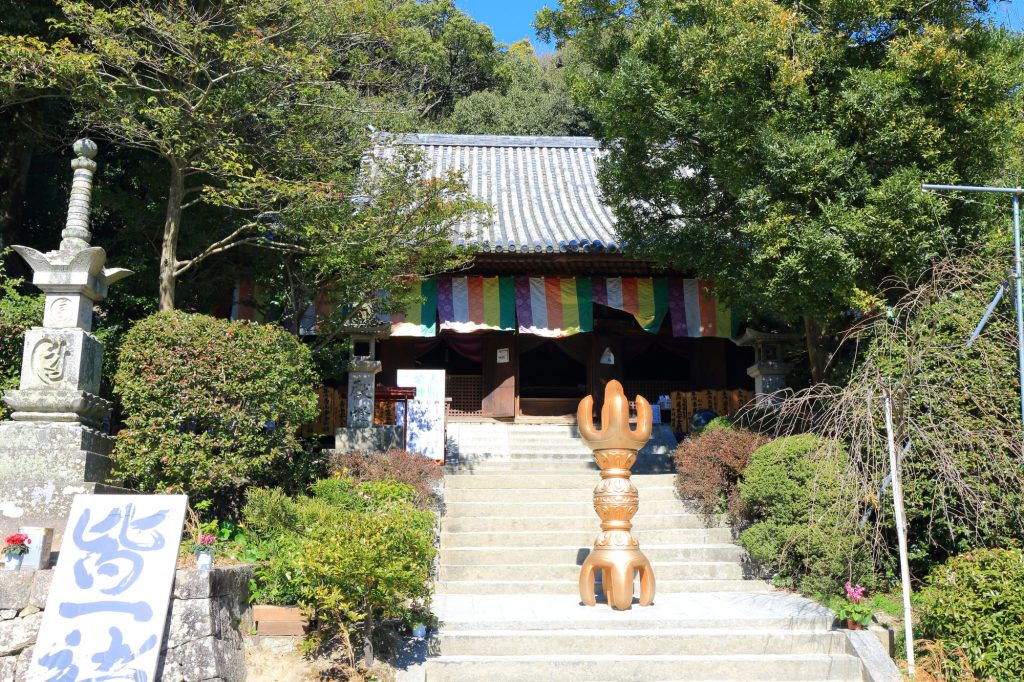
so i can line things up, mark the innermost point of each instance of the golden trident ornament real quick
(616, 552)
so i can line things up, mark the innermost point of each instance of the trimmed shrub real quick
(803, 526)
(709, 466)
(417, 471)
(974, 603)
(212, 407)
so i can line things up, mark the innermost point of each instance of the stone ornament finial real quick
(76, 235)
(616, 552)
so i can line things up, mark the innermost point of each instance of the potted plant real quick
(15, 549)
(854, 611)
(203, 548)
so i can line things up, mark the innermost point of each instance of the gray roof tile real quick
(543, 190)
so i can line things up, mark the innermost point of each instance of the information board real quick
(425, 418)
(108, 604)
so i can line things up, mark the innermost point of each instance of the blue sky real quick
(511, 19)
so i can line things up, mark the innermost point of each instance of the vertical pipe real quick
(1020, 300)
(901, 533)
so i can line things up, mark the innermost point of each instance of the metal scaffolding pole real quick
(1016, 192)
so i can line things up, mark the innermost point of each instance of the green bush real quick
(803, 527)
(411, 468)
(352, 555)
(18, 312)
(975, 603)
(211, 407)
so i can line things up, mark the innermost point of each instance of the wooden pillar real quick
(499, 375)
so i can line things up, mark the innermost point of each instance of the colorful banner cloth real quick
(696, 313)
(421, 317)
(645, 298)
(469, 304)
(554, 307)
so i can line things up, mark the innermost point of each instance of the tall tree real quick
(530, 96)
(778, 147)
(256, 108)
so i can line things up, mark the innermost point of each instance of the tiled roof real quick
(543, 190)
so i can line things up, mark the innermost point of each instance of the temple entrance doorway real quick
(552, 375)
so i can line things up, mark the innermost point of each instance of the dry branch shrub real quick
(710, 465)
(420, 472)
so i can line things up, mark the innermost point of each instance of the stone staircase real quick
(513, 536)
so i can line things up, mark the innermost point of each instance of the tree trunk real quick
(172, 229)
(817, 358)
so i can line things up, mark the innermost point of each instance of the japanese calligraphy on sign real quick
(108, 605)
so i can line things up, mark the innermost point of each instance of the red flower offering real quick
(16, 544)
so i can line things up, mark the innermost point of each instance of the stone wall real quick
(202, 641)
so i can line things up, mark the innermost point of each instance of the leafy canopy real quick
(778, 147)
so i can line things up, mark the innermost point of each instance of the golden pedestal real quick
(616, 552)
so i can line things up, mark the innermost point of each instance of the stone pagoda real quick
(53, 447)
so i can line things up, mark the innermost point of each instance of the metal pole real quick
(1020, 298)
(901, 534)
(1016, 272)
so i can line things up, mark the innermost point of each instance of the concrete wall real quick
(202, 641)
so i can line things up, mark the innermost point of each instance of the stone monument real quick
(53, 447)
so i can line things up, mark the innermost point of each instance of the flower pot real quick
(852, 624)
(278, 621)
(13, 562)
(204, 561)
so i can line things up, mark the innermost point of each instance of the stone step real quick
(486, 479)
(563, 538)
(663, 570)
(555, 556)
(715, 610)
(551, 509)
(580, 522)
(582, 495)
(571, 587)
(675, 668)
(646, 642)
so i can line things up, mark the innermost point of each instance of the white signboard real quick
(107, 608)
(502, 356)
(424, 431)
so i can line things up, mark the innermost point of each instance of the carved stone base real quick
(372, 439)
(47, 405)
(43, 465)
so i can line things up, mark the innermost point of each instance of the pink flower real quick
(206, 539)
(854, 593)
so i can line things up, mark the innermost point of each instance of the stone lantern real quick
(361, 433)
(769, 369)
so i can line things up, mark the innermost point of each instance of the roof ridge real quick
(452, 140)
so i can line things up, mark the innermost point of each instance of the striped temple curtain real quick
(696, 313)
(469, 304)
(421, 318)
(554, 307)
(645, 298)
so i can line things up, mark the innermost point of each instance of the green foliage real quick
(802, 524)
(975, 603)
(211, 407)
(778, 147)
(530, 97)
(352, 555)
(18, 312)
